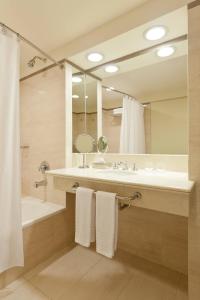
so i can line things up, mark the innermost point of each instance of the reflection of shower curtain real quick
(132, 127)
(11, 243)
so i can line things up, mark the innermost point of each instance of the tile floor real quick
(78, 273)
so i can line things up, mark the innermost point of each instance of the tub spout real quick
(40, 183)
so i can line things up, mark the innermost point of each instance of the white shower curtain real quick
(11, 242)
(132, 138)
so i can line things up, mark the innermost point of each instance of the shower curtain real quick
(132, 138)
(11, 242)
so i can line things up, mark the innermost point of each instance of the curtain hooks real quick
(3, 29)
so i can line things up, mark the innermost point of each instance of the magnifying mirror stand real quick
(84, 165)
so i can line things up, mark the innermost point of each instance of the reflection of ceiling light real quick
(75, 96)
(95, 57)
(109, 89)
(86, 97)
(76, 79)
(155, 33)
(111, 69)
(166, 51)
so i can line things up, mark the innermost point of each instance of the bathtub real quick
(34, 210)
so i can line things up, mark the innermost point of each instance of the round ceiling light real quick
(95, 57)
(111, 68)
(155, 33)
(75, 96)
(165, 51)
(76, 79)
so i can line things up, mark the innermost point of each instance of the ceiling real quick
(133, 40)
(146, 77)
(164, 80)
(51, 24)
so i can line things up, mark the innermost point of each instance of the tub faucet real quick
(40, 183)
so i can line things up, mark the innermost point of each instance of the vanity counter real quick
(163, 180)
(162, 191)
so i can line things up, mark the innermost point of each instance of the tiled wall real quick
(158, 237)
(42, 127)
(111, 129)
(194, 150)
(78, 126)
(42, 240)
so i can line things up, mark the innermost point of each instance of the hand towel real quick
(85, 217)
(106, 223)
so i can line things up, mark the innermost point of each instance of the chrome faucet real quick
(120, 165)
(40, 183)
(124, 165)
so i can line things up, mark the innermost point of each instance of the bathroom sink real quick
(117, 172)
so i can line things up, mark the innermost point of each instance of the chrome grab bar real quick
(121, 200)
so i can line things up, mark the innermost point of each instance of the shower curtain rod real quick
(32, 45)
(144, 103)
(117, 91)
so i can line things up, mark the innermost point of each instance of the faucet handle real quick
(115, 165)
(134, 167)
(43, 167)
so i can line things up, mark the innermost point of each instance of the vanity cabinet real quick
(158, 199)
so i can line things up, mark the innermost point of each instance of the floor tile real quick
(39, 268)
(104, 281)
(25, 292)
(142, 287)
(65, 271)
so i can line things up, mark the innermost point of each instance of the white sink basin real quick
(117, 172)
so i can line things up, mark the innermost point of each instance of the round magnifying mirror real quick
(84, 143)
(102, 144)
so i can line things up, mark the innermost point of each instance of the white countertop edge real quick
(177, 188)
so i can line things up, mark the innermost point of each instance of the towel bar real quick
(128, 200)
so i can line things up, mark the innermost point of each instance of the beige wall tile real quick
(42, 127)
(194, 152)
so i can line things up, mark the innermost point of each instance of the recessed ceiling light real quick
(111, 68)
(155, 33)
(86, 97)
(95, 57)
(75, 96)
(76, 79)
(166, 51)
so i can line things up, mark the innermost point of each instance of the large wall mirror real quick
(84, 108)
(153, 99)
(144, 87)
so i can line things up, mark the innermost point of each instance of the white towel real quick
(106, 223)
(85, 217)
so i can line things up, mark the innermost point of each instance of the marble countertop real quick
(160, 179)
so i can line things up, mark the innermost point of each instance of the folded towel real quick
(106, 223)
(85, 217)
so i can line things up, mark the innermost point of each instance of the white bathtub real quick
(34, 209)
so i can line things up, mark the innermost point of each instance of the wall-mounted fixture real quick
(117, 112)
(31, 63)
(43, 167)
(165, 51)
(95, 57)
(111, 68)
(155, 33)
